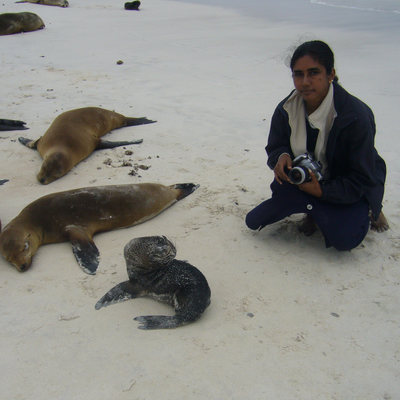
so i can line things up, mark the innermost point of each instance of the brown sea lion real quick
(154, 272)
(59, 3)
(11, 23)
(74, 135)
(76, 215)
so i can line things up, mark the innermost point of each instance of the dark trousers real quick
(344, 226)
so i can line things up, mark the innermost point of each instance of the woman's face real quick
(312, 81)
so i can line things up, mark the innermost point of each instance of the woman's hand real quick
(284, 163)
(313, 187)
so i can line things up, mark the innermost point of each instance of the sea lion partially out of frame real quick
(58, 3)
(76, 215)
(11, 23)
(12, 125)
(74, 135)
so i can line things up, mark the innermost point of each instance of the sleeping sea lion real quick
(11, 23)
(74, 135)
(76, 215)
(154, 272)
(59, 3)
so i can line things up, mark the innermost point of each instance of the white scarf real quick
(322, 119)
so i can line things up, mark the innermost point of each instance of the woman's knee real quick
(349, 239)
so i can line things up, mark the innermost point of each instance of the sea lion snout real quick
(23, 267)
(21, 260)
(54, 166)
(17, 248)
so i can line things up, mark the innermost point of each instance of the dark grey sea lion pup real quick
(154, 272)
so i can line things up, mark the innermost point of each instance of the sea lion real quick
(59, 3)
(12, 125)
(74, 135)
(132, 5)
(154, 272)
(11, 23)
(76, 215)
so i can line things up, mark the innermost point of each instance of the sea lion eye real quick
(26, 246)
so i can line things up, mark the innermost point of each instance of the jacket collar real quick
(343, 107)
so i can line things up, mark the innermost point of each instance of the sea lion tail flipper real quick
(85, 251)
(105, 144)
(3, 181)
(130, 121)
(12, 125)
(32, 144)
(185, 189)
(148, 322)
(121, 292)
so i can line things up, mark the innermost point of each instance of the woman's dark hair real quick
(317, 50)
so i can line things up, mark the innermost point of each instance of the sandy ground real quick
(289, 319)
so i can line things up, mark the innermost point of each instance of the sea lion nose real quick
(23, 267)
(41, 180)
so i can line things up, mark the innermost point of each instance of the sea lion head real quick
(54, 166)
(18, 246)
(148, 253)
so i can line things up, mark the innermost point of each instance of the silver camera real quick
(301, 167)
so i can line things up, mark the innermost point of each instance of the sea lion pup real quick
(12, 125)
(74, 135)
(59, 3)
(76, 215)
(154, 272)
(11, 23)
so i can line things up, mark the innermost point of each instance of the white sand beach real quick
(288, 319)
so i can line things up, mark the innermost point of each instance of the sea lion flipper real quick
(106, 144)
(148, 322)
(121, 292)
(85, 251)
(12, 125)
(185, 189)
(131, 121)
(87, 255)
(32, 144)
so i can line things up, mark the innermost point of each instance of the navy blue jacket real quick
(355, 168)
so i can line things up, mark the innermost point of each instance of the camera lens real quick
(297, 175)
